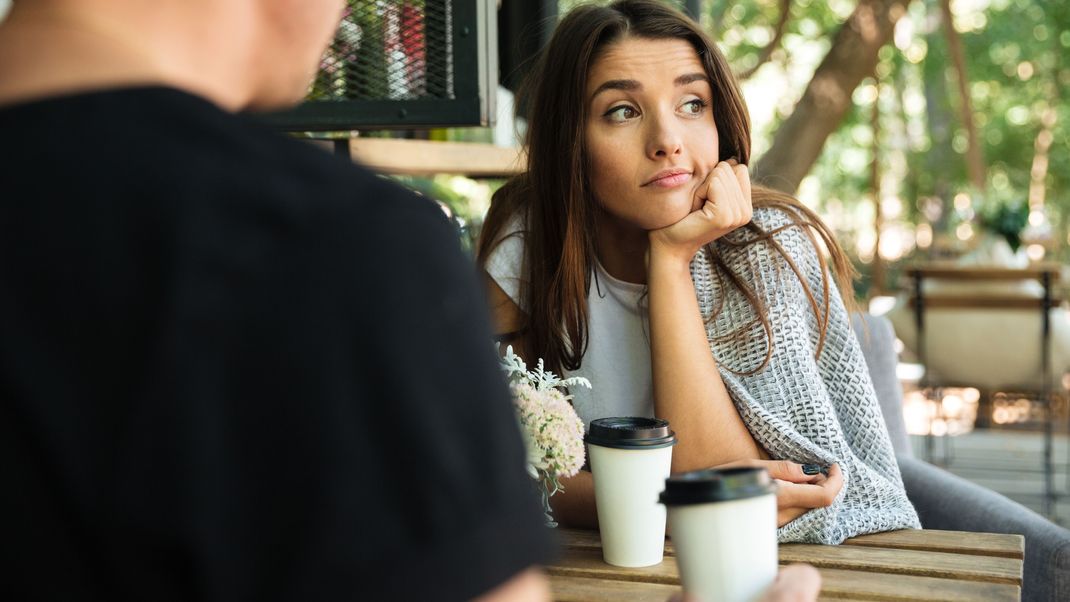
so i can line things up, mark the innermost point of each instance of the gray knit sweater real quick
(801, 407)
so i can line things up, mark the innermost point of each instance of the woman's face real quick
(650, 133)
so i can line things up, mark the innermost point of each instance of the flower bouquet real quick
(552, 431)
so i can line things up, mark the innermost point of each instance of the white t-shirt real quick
(617, 361)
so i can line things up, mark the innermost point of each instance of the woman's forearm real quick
(688, 390)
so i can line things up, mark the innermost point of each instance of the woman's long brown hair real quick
(553, 198)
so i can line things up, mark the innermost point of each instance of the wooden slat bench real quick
(898, 565)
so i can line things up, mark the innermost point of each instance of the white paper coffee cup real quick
(723, 524)
(630, 460)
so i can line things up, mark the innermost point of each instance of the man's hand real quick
(795, 583)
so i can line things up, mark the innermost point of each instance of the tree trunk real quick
(1038, 173)
(778, 35)
(853, 56)
(877, 285)
(940, 161)
(975, 163)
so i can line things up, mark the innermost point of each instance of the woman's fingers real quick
(805, 496)
(783, 470)
(741, 202)
(811, 495)
(743, 178)
(798, 492)
(742, 174)
(720, 201)
(729, 194)
(718, 197)
(786, 470)
(835, 478)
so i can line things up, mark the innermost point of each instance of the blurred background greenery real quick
(894, 177)
(908, 118)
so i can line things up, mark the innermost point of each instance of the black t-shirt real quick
(233, 366)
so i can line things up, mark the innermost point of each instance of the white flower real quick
(553, 432)
(552, 429)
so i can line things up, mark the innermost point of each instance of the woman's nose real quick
(663, 138)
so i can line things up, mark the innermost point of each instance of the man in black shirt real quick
(232, 367)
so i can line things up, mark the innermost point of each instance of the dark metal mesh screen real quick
(389, 50)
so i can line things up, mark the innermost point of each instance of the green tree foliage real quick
(1015, 52)
(1018, 70)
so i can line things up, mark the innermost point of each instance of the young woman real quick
(634, 251)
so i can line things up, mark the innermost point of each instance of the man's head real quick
(293, 36)
(258, 54)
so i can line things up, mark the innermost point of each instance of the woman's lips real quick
(670, 180)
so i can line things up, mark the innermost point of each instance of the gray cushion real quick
(877, 339)
(945, 501)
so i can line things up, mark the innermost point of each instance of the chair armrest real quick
(945, 501)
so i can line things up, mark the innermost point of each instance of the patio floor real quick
(1009, 462)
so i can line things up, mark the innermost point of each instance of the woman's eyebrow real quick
(688, 78)
(631, 85)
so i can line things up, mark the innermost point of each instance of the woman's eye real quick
(694, 107)
(621, 113)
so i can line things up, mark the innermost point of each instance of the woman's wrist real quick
(667, 254)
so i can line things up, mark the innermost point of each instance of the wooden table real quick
(899, 565)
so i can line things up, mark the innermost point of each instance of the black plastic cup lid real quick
(716, 485)
(630, 432)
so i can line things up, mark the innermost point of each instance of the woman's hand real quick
(798, 492)
(722, 203)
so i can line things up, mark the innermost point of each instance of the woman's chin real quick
(665, 221)
(677, 213)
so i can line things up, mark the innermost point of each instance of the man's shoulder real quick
(305, 170)
(243, 154)
(163, 150)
